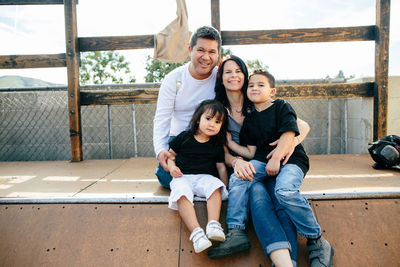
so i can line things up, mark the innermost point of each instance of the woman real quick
(279, 240)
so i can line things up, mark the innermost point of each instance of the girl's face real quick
(259, 90)
(232, 76)
(209, 125)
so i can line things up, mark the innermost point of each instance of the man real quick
(181, 91)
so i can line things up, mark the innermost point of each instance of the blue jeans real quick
(238, 203)
(163, 176)
(287, 191)
(273, 226)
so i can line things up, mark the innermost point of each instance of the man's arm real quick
(162, 119)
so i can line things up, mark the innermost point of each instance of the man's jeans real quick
(273, 226)
(287, 191)
(238, 203)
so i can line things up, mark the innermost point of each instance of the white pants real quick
(201, 185)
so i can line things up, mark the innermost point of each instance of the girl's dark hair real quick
(216, 109)
(270, 77)
(220, 91)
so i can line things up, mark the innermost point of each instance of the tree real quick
(105, 67)
(156, 70)
(252, 65)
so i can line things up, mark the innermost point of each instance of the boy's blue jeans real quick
(273, 226)
(287, 191)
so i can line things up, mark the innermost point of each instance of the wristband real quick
(235, 160)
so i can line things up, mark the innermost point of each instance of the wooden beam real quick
(148, 93)
(215, 15)
(32, 61)
(32, 2)
(381, 68)
(341, 34)
(116, 43)
(340, 90)
(74, 107)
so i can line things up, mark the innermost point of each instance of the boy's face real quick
(208, 124)
(259, 90)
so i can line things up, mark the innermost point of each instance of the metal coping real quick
(164, 199)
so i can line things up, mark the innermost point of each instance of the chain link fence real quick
(34, 126)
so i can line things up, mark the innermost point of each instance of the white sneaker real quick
(200, 241)
(215, 231)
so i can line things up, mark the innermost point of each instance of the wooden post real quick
(72, 58)
(215, 15)
(381, 68)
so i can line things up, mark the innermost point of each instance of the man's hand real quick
(273, 167)
(244, 169)
(285, 157)
(163, 157)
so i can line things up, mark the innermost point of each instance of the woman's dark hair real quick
(216, 109)
(220, 91)
(270, 77)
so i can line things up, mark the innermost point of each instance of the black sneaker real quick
(236, 241)
(321, 252)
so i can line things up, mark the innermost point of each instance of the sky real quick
(39, 29)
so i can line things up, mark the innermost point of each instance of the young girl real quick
(199, 159)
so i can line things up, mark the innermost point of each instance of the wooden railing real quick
(147, 93)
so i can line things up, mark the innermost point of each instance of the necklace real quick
(238, 111)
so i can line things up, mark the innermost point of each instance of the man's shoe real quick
(321, 252)
(200, 241)
(236, 241)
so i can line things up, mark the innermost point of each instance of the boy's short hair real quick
(269, 76)
(206, 32)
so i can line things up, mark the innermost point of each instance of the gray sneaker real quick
(321, 252)
(236, 241)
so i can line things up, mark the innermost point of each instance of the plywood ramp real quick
(364, 232)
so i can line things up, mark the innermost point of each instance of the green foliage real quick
(105, 67)
(252, 65)
(156, 70)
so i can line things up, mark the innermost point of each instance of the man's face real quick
(204, 57)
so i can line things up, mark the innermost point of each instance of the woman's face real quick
(232, 76)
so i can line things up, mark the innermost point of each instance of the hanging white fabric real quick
(171, 44)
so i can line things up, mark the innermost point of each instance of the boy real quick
(270, 121)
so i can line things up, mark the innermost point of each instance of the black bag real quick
(385, 152)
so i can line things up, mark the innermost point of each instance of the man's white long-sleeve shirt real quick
(175, 107)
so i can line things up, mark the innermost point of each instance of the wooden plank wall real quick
(378, 33)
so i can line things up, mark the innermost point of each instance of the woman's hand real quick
(273, 167)
(175, 172)
(244, 169)
(288, 154)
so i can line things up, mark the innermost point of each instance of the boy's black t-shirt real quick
(262, 128)
(194, 157)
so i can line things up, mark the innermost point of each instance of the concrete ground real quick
(133, 179)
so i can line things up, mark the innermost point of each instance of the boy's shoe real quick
(199, 239)
(321, 252)
(236, 241)
(214, 231)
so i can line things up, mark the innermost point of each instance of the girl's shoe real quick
(215, 231)
(200, 240)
